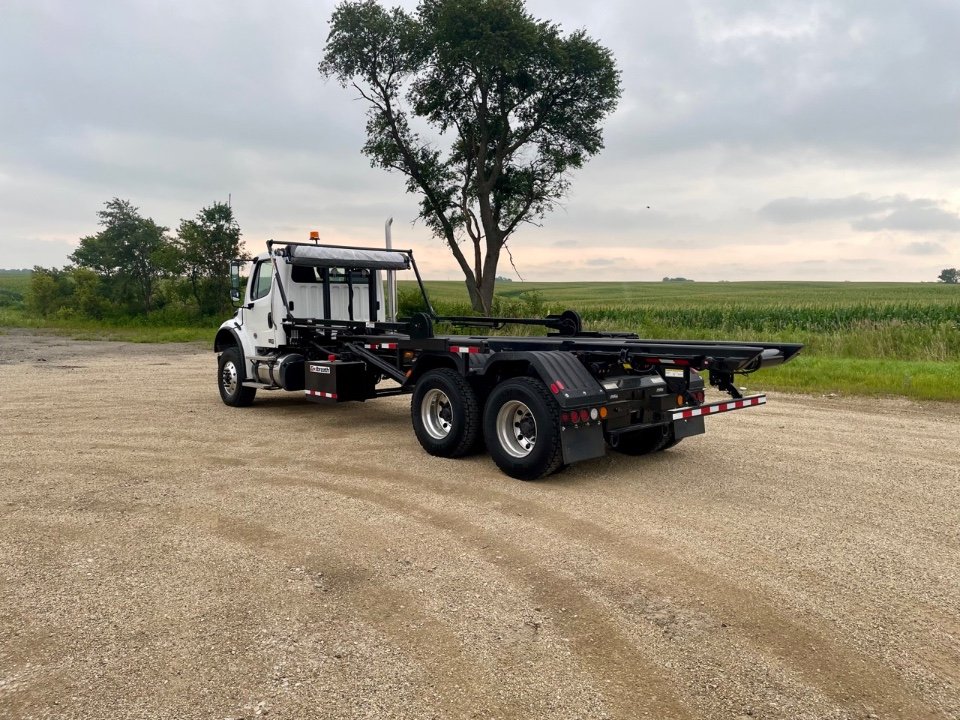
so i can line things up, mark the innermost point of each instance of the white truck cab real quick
(329, 293)
(289, 287)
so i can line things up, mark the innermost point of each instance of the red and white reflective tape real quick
(381, 346)
(464, 349)
(719, 407)
(317, 393)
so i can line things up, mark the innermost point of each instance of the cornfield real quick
(855, 320)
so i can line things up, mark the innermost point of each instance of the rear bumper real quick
(718, 407)
(584, 442)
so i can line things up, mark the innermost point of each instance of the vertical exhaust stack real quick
(391, 278)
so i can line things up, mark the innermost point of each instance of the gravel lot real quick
(165, 556)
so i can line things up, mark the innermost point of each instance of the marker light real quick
(584, 415)
(603, 413)
(594, 414)
(314, 235)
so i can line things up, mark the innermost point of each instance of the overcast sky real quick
(754, 140)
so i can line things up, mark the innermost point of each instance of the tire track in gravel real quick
(392, 611)
(842, 674)
(462, 687)
(615, 663)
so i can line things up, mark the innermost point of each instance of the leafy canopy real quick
(131, 251)
(507, 105)
(205, 246)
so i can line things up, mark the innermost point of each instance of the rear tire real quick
(231, 373)
(521, 424)
(445, 413)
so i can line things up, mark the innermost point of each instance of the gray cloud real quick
(865, 213)
(801, 210)
(605, 261)
(924, 248)
(868, 77)
(912, 219)
(726, 107)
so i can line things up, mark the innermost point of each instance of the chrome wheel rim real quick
(436, 414)
(228, 376)
(516, 429)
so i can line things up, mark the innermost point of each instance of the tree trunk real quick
(196, 291)
(488, 280)
(476, 298)
(146, 290)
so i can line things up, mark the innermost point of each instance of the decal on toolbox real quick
(719, 407)
(322, 369)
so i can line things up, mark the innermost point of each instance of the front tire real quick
(445, 413)
(521, 424)
(231, 374)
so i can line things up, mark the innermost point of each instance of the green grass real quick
(133, 330)
(592, 294)
(844, 376)
(159, 328)
(13, 288)
(861, 338)
(897, 321)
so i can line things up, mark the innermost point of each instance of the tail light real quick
(575, 417)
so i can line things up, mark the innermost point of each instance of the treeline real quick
(136, 267)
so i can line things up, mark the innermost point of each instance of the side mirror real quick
(238, 273)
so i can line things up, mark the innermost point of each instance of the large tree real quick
(509, 106)
(949, 275)
(131, 252)
(206, 246)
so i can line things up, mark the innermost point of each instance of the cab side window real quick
(261, 280)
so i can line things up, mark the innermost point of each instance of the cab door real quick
(258, 315)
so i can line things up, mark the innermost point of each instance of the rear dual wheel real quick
(446, 414)
(521, 424)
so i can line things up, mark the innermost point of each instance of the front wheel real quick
(521, 424)
(445, 413)
(230, 378)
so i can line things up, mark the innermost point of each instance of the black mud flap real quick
(582, 443)
(688, 427)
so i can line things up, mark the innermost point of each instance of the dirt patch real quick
(163, 555)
